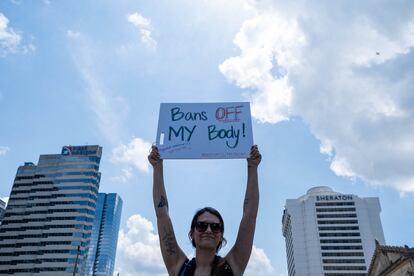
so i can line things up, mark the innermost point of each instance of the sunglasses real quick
(202, 226)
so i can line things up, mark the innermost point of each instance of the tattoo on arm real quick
(163, 202)
(246, 201)
(169, 242)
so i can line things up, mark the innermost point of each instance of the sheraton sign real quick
(333, 197)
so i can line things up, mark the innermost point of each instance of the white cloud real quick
(144, 26)
(259, 263)
(126, 174)
(346, 70)
(102, 104)
(139, 21)
(133, 154)
(262, 39)
(108, 108)
(138, 252)
(4, 150)
(10, 40)
(72, 34)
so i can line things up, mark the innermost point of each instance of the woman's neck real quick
(204, 259)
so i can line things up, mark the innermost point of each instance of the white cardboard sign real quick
(204, 130)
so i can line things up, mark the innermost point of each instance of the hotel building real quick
(331, 234)
(47, 225)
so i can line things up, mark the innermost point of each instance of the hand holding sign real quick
(204, 130)
(154, 157)
(255, 157)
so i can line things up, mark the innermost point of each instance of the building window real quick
(345, 268)
(341, 241)
(340, 234)
(336, 216)
(341, 247)
(351, 221)
(348, 203)
(339, 228)
(343, 261)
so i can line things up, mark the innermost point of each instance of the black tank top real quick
(189, 266)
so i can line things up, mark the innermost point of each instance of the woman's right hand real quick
(154, 157)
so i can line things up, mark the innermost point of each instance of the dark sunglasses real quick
(202, 226)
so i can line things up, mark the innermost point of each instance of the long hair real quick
(212, 211)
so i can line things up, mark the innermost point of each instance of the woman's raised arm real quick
(238, 256)
(172, 254)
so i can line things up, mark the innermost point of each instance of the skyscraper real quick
(331, 234)
(48, 221)
(102, 249)
(2, 209)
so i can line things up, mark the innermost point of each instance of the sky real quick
(329, 82)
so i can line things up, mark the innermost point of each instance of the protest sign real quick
(204, 130)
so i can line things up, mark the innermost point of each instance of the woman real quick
(207, 228)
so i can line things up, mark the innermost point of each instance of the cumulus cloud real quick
(346, 69)
(138, 252)
(262, 39)
(10, 40)
(144, 26)
(4, 150)
(134, 154)
(259, 263)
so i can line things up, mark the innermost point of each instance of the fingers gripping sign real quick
(255, 157)
(154, 157)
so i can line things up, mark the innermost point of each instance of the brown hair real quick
(212, 211)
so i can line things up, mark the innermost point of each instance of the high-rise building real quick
(102, 249)
(2, 209)
(331, 234)
(47, 226)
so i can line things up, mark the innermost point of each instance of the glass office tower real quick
(102, 250)
(331, 234)
(2, 209)
(47, 225)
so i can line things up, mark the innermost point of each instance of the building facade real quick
(47, 226)
(392, 261)
(331, 234)
(2, 209)
(104, 239)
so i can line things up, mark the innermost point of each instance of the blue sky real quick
(330, 86)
